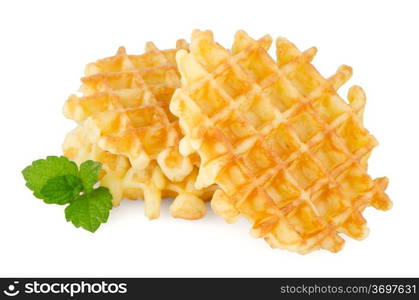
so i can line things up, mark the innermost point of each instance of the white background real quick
(44, 47)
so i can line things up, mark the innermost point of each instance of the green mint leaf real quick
(61, 189)
(37, 174)
(90, 210)
(89, 174)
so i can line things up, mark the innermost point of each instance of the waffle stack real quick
(124, 123)
(267, 139)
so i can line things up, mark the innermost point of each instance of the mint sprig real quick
(57, 180)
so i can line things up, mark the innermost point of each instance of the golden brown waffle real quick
(124, 115)
(128, 114)
(286, 151)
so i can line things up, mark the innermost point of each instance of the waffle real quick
(123, 116)
(286, 151)
(126, 99)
